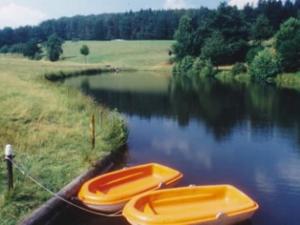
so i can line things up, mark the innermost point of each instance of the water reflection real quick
(220, 106)
(243, 134)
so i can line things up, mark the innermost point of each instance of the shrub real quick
(253, 51)
(238, 68)
(17, 48)
(203, 67)
(184, 66)
(265, 65)
(4, 49)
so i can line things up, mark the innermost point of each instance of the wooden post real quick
(93, 131)
(101, 118)
(8, 158)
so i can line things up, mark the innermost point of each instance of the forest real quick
(262, 42)
(150, 24)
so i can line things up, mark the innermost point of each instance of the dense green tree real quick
(214, 49)
(85, 51)
(54, 47)
(230, 22)
(184, 38)
(261, 29)
(234, 24)
(32, 49)
(288, 44)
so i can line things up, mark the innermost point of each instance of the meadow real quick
(139, 55)
(48, 125)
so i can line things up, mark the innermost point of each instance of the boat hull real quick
(111, 191)
(227, 221)
(106, 208)
(202, 205)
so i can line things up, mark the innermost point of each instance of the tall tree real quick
(184, 38)
(85, 51)
(214, 48)
(261, 29)
(288, 44)
(54, 47)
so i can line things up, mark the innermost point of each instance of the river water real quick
(247, 135)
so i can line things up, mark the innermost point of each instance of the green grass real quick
(285, 80)
(141, 55)
(48, 125)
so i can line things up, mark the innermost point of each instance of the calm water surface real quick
(244, 134)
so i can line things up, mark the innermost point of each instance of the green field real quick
(141, 55)
(48, 125)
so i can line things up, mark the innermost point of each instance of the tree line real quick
(146, 24)
(221, 35)
(227, 36)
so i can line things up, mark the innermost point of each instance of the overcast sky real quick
(16, 13)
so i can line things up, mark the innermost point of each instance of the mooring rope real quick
(22, 171)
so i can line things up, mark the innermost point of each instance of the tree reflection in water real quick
(220, 106)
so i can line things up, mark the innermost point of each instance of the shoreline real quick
(287, 80)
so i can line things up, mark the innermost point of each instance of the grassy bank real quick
(48, 124)
(289, 80)
(285, 80)
(141, 55)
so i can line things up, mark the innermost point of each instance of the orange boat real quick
(110, 192)
(205, 205)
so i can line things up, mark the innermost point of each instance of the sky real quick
(15, 13)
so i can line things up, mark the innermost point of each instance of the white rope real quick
(21, 169)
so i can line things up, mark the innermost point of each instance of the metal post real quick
(8, 152)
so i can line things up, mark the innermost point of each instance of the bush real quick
(17, 48)
(203, 67)
(288, 44)
(265, 65)
(253, 52)
(238, 68)
(184, 66)
(4, 49)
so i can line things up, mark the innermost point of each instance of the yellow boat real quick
(110, 192)
(202, 205)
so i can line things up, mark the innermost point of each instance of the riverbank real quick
(285, 80)
(48, 125)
